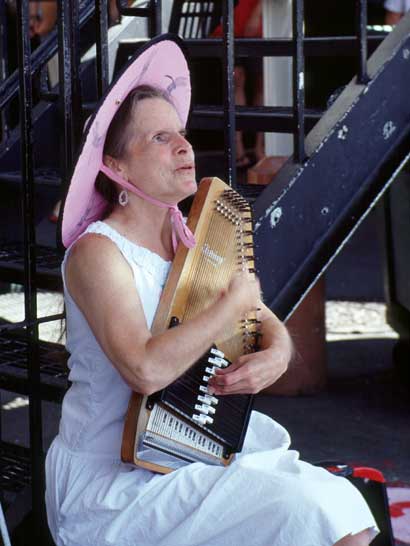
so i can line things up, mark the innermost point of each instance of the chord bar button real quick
(203, 408)
(217, 352)
(202, 419)
(208, 399)
(218, 361)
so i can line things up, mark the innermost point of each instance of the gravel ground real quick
(344, 319)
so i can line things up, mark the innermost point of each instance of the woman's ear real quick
(115, 165)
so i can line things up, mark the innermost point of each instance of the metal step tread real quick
(14, 369)
(44, 177)
(48, 265)
(250, 191)
(15, 465)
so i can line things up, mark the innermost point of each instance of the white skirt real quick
(266, 497)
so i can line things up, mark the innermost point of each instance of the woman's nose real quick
(182, 144)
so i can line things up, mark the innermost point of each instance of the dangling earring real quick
(123, 198)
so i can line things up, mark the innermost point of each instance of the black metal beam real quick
(30, 294)
(298, 77)
(327, 46)
(361, 29)
(155, 20)
(276, 119)
(69, 89)
(304, 217)
(47, 49)
(101, 21)
(228, 61)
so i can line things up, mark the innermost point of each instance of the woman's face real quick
(160, 161)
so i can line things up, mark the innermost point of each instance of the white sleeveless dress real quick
(266, 497)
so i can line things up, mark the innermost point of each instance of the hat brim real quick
(161, 64)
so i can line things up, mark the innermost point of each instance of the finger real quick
(232, 367)
(241, 361)
(226, 377)
(220, 390)
(242, 387)
(249, 373)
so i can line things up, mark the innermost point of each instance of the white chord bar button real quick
(220, 362)
(217, 352)
(208, 399)
(203, 419)
(205, 409)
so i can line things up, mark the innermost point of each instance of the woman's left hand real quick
(250, 373)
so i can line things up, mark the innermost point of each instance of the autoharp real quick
(183, 423)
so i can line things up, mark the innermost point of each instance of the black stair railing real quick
(152, 11)
(30, 293)
(228, 118)
(352, 155)
(27, 365)
(9, 88)
(298, 76)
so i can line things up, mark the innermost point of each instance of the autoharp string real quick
(195, 303)
(219, 234)
(204, 274)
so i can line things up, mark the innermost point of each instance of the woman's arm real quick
(253, 372)
(392, 17)
(101, 283)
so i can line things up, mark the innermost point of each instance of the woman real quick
(114, 271)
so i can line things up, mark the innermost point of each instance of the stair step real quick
(42, 177)
(265, 118)
(15, 483)
(14, 371)
(48, 265)
(250, 191)
(258, 47)
(15, 467)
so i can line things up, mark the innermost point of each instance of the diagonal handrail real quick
(9, 88)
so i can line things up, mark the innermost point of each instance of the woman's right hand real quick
(244, 292)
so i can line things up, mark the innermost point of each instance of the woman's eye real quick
(160, 137)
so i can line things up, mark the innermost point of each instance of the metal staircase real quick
(352, 153)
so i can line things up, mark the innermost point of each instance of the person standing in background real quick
(395, 9)
(248, 73)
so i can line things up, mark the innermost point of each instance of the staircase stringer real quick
(354, 152)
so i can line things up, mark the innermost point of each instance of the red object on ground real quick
(369, 473)
(397, 508)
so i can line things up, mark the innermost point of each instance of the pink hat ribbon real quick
(178, 225)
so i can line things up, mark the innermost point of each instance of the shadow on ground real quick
(360, 418)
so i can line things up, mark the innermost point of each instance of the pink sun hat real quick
(161, 64)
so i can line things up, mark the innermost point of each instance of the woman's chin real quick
(190, 187)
